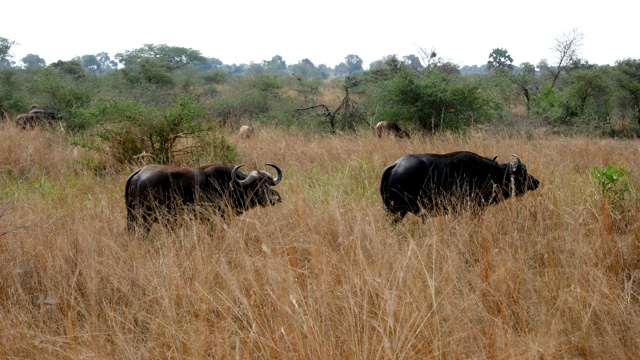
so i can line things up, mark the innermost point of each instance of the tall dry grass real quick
(323, 275)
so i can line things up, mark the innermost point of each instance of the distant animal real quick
(390, 128)
(438, 184)
(37, 117)
(4, 117)
(30, 121)
(245, 131)
(46, 114)
(164, 190)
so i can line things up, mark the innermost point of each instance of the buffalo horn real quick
(233, 175)
(278, 176)
(518, 163)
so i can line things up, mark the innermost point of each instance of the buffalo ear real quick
(516, 164)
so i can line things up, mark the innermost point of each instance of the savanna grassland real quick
(323, 275)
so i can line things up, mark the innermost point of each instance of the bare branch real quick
(566, 48)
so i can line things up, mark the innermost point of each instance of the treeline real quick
(163, 95)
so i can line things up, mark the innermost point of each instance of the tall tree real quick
(5, 52)
(351, 64)
(566, 49)
(499, 58)
(413, 61)
(276, 64)
(97, 64)
(211, 64)
(171, 57)
(33, 61)
(525, 80)
(628, 78)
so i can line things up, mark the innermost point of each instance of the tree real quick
(413, 61)
(72, 68)
(525, 79)
(448, 68)
(97, 64)
(351, 64)
(499, 59)
(429, 57)
(170, 57)
(628, 79)
(33, 61)
(5, 52)
(305, 68)
(211, 64)
(276, 64)
(566, 49)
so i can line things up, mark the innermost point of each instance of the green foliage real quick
(275, 65)
(149, 71)
(5, 52)
(13, 97)
(250, 97)
(97, 64)
(167, 57)
(214, 149)
(628, 79)
(63, 92)
(130, 128)
(612, 183)
(215, 77)
(431, 100)
(71, 68)
(500, 59)
(584, 105)
(352, 65)
(306, 69)
(614, 187)
(33, 61)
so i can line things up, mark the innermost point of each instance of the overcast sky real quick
(325, 32)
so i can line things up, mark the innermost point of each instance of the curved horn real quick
(233, 175)
(278, 176)
(518, 163)
(494, 158)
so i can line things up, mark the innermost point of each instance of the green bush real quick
(432, 100)
(163, 134)
(614, 188)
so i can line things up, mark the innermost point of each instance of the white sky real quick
(325, 32)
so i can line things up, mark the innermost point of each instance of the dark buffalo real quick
(162, 189)
(390, 128)
(437, 184)
(28, 121)
(46, 114)
(37, 117)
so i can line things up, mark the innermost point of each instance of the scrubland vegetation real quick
(323, 275)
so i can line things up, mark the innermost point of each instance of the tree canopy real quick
(171, 57)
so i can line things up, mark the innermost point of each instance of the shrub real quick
(162, 133)
(614, 188)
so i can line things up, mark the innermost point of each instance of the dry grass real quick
(322, 275)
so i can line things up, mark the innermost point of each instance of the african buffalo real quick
(46, 114)
(390, 128)
(29, 121)
(156, 189)
(245, 131)
(437, 184)
(37, 117)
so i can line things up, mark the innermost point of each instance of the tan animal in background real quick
(245, 132)
(390, 128)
